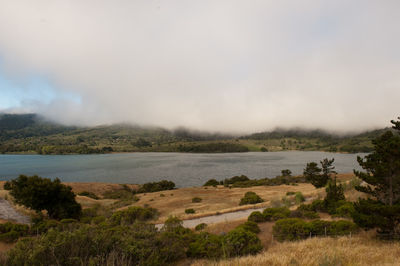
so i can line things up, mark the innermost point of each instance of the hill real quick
(30, 133)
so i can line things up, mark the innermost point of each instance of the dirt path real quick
(7, 212)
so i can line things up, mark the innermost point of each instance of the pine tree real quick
(381, 184)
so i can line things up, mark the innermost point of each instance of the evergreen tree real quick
(382, 185)
(319, 177)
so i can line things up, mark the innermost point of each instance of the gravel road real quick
(7, 212)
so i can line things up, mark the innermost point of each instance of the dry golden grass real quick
(214, 199)
(174, 202)
(224, 227)
(359, 250)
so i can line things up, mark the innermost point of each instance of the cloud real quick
(234, 66)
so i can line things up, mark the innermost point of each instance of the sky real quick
(221, 66)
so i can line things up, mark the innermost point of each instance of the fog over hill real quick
(226, 66)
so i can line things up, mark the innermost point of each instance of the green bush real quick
(43, 226)
(290, 229)
(235, 179)
(250, 198)
(39, 194)
(250, 226)
(240, 242)
(315, 206)
(290, 193)
(211, 182)
(346, 210)
(295, 228)
(156, 186)
(189, 211)
(299, 198)
(196, 200)
(206, 245)
(200, 227)
(132, 214)
(256, 217)
(10, 232)
(274, 214)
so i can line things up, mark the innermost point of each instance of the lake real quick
(185, 169)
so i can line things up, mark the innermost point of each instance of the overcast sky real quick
(230, 66)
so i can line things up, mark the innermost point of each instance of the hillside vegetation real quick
(29, 133)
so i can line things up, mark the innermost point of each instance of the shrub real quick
(295, 228)
(256, 217)
(132, 214)
(273, 214)
(200, 227)
(39, 194)
(196, 200)
(250, 226)
(189, 211)
(235, 179)
(205, 245)
(290, 229)
(316, 206)
(299, 198)
(240, 242)
(345, 210)
(290, 193)
(211, 182)
(303, 214)
(88, 194)
(156, 186)
(10, 232)
(250, 198)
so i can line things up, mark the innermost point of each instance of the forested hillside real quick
(30, 133)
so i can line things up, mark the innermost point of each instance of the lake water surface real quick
(185, 169)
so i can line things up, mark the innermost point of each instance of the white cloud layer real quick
(237, 66)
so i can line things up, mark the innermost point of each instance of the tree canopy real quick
(39, 194)
(382, 184)
(319, 177)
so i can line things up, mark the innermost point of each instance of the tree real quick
(323, 176)
(286, 172)
(319, 177)
(382, 185)
(39, 194)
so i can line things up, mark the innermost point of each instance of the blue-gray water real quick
(182, 168)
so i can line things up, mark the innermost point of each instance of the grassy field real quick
(362, 249)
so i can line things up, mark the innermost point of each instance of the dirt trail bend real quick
(7, 212)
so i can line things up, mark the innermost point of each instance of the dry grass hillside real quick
(215, 200)
(362, 249)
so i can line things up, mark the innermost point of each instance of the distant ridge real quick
(34, 134)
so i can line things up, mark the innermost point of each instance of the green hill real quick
(30, 133)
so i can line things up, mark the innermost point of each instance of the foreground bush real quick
(109, 243)
(39, 194)
(295, 228)
(10, 232)
(240, 242)
(250, 198)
